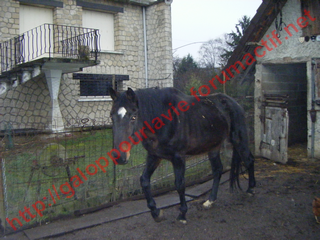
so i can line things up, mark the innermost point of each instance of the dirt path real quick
(280, 209)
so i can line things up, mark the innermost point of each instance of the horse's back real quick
(195, 128)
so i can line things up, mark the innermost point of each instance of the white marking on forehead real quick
(122, 111)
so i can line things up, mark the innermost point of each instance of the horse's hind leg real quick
(151, 165)
(252, 180)
(216, 165)
(241, 151)
(179, 169)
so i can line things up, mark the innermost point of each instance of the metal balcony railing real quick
(50, 41)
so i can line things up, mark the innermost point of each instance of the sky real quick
(201, 20)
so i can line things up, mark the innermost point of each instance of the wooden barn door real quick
(275, 123)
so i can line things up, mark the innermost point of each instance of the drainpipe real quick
(145, 45)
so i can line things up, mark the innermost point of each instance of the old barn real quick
(284, 38)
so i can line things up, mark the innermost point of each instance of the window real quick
(31, 17)
(34, 44)
(95, 86)
(105, 23)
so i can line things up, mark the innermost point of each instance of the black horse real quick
(172, 125)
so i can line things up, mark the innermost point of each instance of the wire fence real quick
(47, 176)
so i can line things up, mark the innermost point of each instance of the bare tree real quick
(210, 52)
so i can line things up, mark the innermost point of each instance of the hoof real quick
(183, 221)
(250, 192)
(160, 217)
(208, 204)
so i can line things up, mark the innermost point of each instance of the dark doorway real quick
(290, 80)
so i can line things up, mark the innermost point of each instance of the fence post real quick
(1, 58)
(2, 199)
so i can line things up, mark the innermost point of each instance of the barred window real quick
(97, 85)
(95, 88)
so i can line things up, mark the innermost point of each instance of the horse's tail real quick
(236, 169)
(239, 139)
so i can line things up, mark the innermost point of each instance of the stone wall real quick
(70, 14)
(74, 112)
(128, 58)
(9, 19)
(159, 45)
(290, 48)
(26, 106)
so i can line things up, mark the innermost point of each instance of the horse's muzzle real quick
(122, 160)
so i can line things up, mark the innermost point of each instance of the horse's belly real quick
(198, 146)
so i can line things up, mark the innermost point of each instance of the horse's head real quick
(124, 115)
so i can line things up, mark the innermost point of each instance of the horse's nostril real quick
(115, 155)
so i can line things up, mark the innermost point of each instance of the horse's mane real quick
(154, 101)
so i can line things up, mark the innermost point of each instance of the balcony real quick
(54, 44)
(52, 50)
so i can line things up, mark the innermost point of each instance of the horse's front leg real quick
(151, 165)
(179, 170)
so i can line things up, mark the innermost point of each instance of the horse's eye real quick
(133, 117)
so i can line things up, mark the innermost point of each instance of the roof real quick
(260, 23)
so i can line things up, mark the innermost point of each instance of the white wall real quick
(290, 46)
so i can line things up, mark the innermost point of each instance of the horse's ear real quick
(114, 95)
(131, 95)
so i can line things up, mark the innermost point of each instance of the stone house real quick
(59, 57)
(282, 46)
